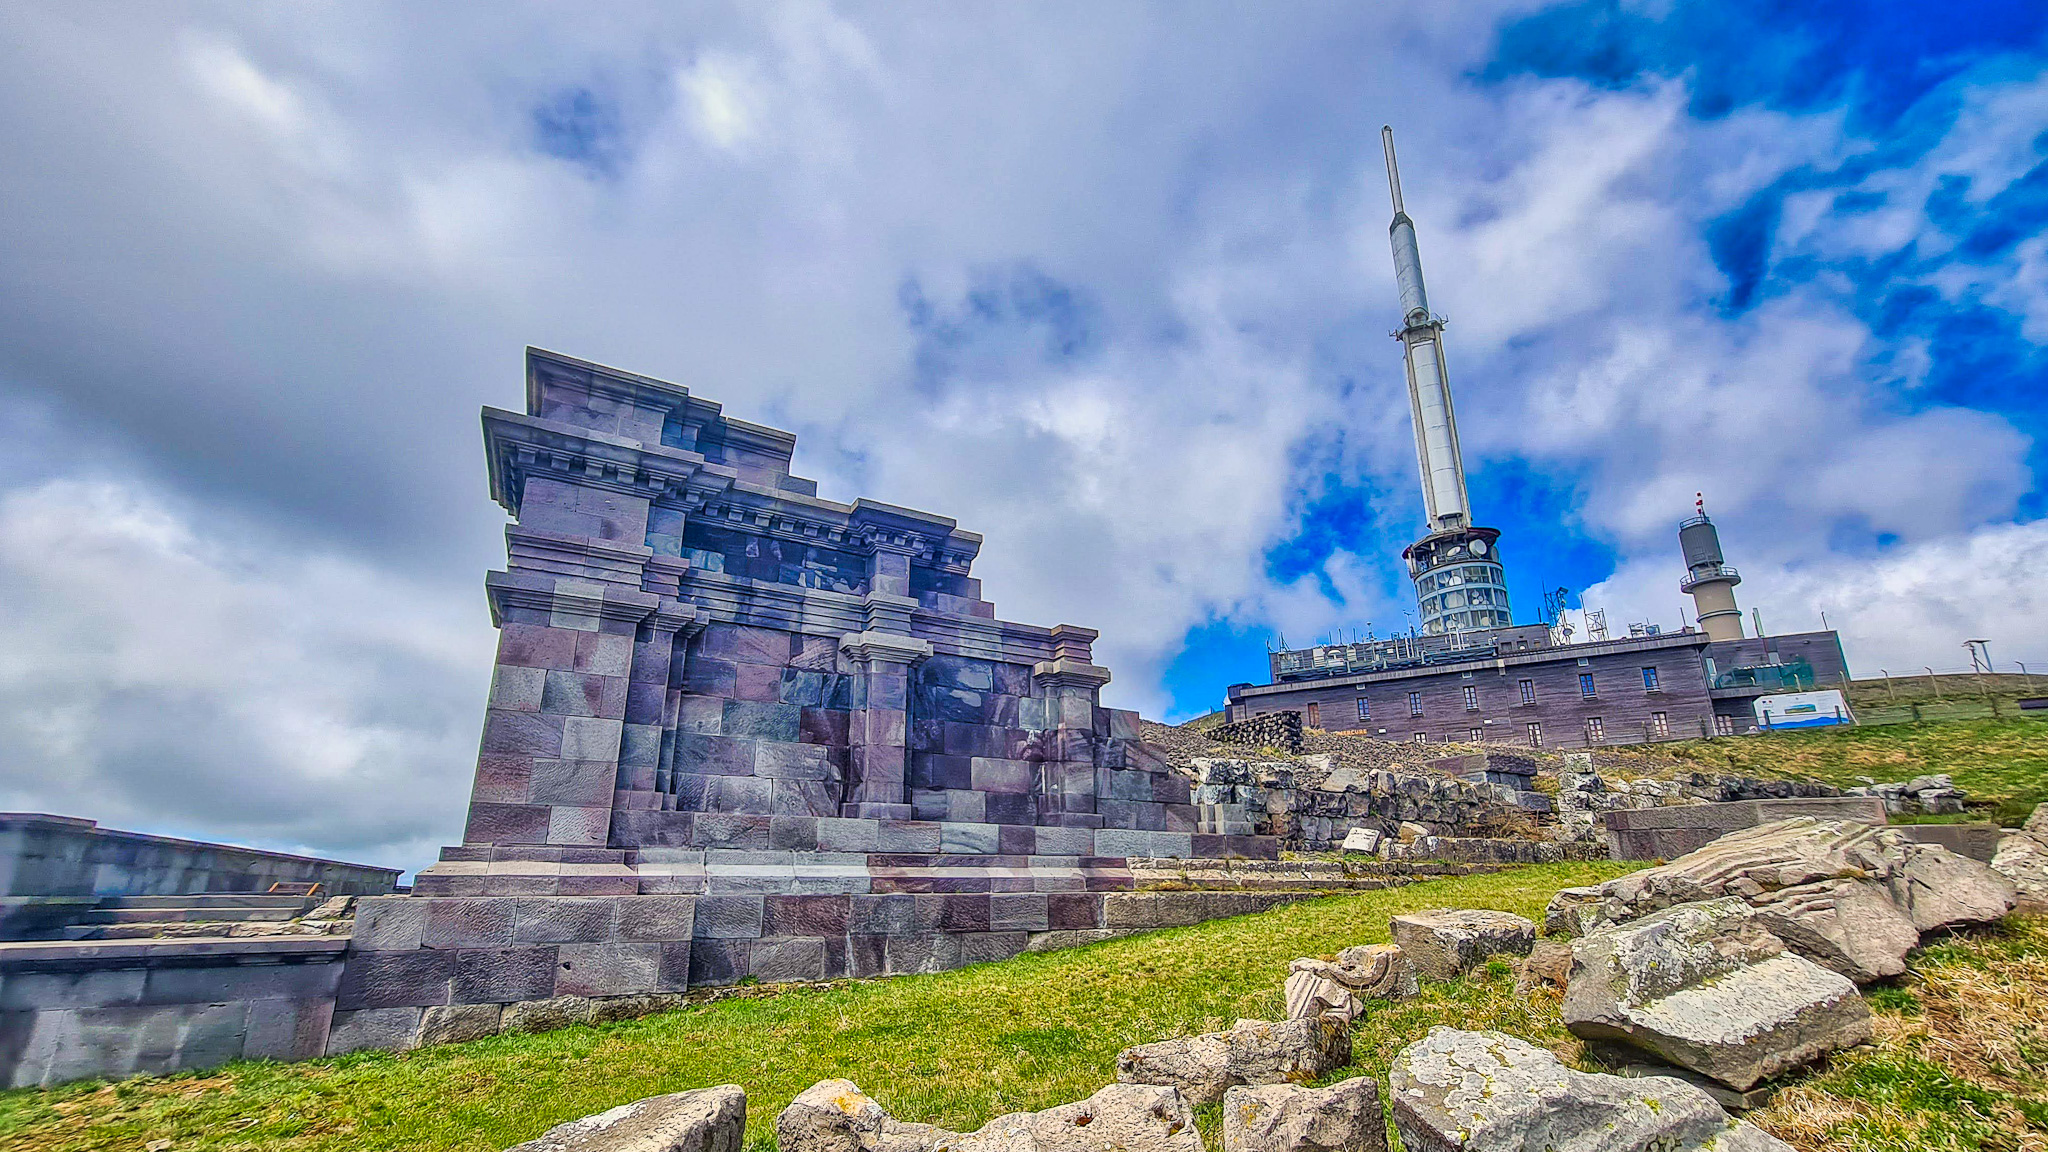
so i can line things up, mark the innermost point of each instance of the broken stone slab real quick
(1310, 991)
(1250, 1052)
(1443, 943)
(1821, 878)
(1365, 840)
(1628, 1061)
(1344, 1117)
(1409, 832)
(1706, 987)
(1549, 966)
(2023, 860)
(703, 1120)
(1360, 973)
(835, 1116)
(1459, 1091)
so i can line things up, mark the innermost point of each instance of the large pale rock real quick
(1706, 987)
(1344, 1117)
(1489, 1092)
(1365, 972)
(1251, 1052)
(2038, 822)
(1821, 884)
(835, 1116)
(1365, 840)
(1444, 942)
(2023, 860)
(705, 1120)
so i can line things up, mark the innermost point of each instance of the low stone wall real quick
(1977, 841)
(45, 856)
(1280, 730)
(1668, 833)
(70, 1010)
(1264, 798)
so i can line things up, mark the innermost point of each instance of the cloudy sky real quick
(1108, 282)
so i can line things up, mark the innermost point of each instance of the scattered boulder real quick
(1365, 972)
(835, 1116)
(1409, 832)
(1549, 966)
(1251, 1052)
(1934, 794)
(1822, 884)
(2023, 860)
(1365, 840)
(1485, 1091)
(705, 1120)
(1344, 1117)
(1706, 987)
(1444, 942)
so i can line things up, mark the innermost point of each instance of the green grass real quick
(954, 1048)
(2002, 763)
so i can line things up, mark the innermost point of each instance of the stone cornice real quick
(884, 646)
(1069, 674)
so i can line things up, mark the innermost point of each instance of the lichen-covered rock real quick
(1365, 972)
(1459, 1091)
(2023, 860)
(704, 1120)
(1344, 1117)
(2038, 822)
(1311, 991)
(1549, 966)
(835, 1116)
(1444, 942)
(1819, 882)
(1706, 987)
(1251, 1052)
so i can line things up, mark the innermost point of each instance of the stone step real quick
(175, 915)
(209, 900)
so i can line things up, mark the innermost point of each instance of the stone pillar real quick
(652, 704)
(548, 766)
(877, 729)
(1068, 687)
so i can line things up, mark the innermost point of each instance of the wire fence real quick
(1903, 696)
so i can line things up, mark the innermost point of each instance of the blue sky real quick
(1109, 283)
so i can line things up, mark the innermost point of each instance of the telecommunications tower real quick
(1459, 582)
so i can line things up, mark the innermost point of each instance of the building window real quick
(1535, 734)
(1415, 703)
(1596, 730)
(1478, 736)
(1315, 715)
(1528, 688)
(1659, 726)
(1364, 709)
(1586, 685)
(1422, 737)
(1471, 698)
(1724, 725)
(1649, 679)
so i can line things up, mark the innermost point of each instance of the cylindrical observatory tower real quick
(1459, 583)
(1710, 582)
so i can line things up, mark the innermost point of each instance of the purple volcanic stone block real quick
(675, 966)
(951, 772)
(605, 654)
(522, 733)
(1206, 846)
(700, 755)
(866, 956)
(564, 919)
(982, 839)
(806, 915)
(791, 761)
(962, 912)
(826, 726)
(816, 654)
(926, 804)
(803, 798)
(586, 884)
(467, 923)
(927, 735)
(742, 643)
(506, 824)
(731, 830)
(727, 918)
(1064, 841)
(990, 775)
(504, 975)
(724, 794)
(503, 779)
(886, 915)
(793, 833)
(706, 676)
(515, 688)
(1016, 840)
(590, 738)
(757, 682)
(640, 745)
(655, 919)
(646, 703)
(418, 978)
(988, 947)
(1253, 847)
(654, 829)
(574, 783)
(763, 720)
(718, 963)
(837, 834)
(801, 688)
(1012, 679)
(700, 714)
(965, 806)
(925, 952)
(583, 694)
(535, 646)
(607, 969)
(1182, 817)
(1011, 808)
(579, 826)
(1067, 911)
(907, 836)
(1020, 912)
(785, 961)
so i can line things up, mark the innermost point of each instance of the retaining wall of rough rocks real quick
(1265, 798)
(1280, 730)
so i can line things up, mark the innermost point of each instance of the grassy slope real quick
(1960, 1064)
(955, 1048)
(1994, 760)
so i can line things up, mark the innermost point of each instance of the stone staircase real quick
(226, 914)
